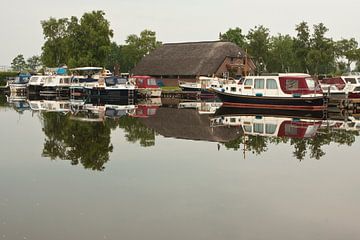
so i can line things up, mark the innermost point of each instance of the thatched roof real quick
(188, 124)
(187, 59)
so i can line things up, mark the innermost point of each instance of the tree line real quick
(88, 42)
(309, 51)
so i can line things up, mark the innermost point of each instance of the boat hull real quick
(111, 93)
(293, 103)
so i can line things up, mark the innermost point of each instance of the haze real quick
(173, 21)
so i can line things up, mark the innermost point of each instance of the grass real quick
(167, 88)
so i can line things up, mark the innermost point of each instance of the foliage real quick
(282, 58)
(258, 46)
(84, 42)
(33, 63)
(18, 64)
(137, 47)
(137, 131)
(4, 75)
(235, 36)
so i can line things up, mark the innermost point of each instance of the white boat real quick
(36, 83)
(19, 84)
(146, 86)
(204, 84)
(293, 91)
(56, 84)
(343, 85)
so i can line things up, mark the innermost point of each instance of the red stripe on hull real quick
(278, 107)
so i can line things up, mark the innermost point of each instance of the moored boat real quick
(344, 85)
(146, 86)
(292, 91)
(19, 84)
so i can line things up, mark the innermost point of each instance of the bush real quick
(4, 75)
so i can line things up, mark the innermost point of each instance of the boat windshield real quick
(114, 81)
(350, 80)
(152, 82)
(311, 83)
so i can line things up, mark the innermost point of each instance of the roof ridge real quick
(196, 42)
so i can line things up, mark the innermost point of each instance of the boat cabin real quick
(281, 85)
(145, 81)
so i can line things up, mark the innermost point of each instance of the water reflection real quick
(79, 130)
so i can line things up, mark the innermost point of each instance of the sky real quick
(173, 21)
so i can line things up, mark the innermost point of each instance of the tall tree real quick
(321, 57)
(18, 64)
(302, 46)
(33, 63)
(282, 56)
(347, 48)
(234, 35)
(258, 46)
(137, 47)
(77, 42)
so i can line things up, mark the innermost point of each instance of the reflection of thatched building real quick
(187, 61)
(188, 124)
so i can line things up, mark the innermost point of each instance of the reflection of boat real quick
(269, 126)
(281, 91)
(18, 102)
(146, 86)
(202, 107)
(349, 124)
(63, 106)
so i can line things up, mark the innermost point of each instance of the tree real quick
(77, 42)
(281, 56)
(137, 47)
(258, 46)
(18, 64)
(33, 63)
(235, 36)
(347, 48)
(321, 57)
(302, 46)
(54, 50)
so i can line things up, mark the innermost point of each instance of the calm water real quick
(169, 172)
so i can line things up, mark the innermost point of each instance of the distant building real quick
(172, 62)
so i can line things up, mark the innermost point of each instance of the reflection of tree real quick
(258, 144)
(87, 143)
(3, 101)
(137, 131)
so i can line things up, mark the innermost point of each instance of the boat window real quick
(232, 120)
(151, 111)
(292, 84)
(270, 128)
(66, 80)
(140, 81)
(259, 83)
(152, 82)
(248, 82)
(358, 80)
(290, 130)
(61, 80)
(233, 89)
(350, 80)
(111, 81)
(247, 128)
(271, 84)
(310, 83)
(258, 128)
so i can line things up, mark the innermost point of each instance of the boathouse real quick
(174, 62)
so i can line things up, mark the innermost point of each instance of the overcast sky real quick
(173, 21)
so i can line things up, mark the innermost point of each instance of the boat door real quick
(271, 87)
(248, 86)
(259, 87)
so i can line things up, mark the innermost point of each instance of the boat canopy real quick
(86, 69)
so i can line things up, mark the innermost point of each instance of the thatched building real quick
(172, 62)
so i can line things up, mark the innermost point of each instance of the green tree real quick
(347, 48)
(137, 47)
(33, 63)
(302, 46)
(234, 35)
(321, 57)
(77, 42)
(54, 50)
(258, 46)
(281, 56)
(18, 64)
